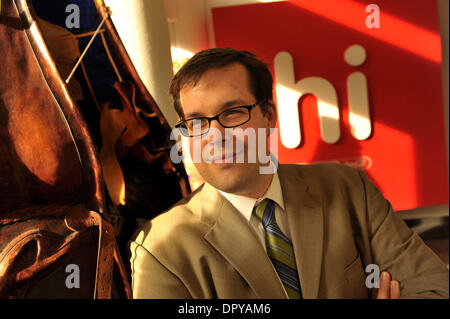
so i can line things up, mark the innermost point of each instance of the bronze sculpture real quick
(54, 210)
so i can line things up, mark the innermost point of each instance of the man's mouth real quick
(225, 158)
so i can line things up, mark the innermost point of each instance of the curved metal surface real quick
(86, 149)
(53, 199)
(52, 208)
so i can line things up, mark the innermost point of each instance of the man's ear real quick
(271, 113)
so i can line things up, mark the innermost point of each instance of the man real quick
(305, 231)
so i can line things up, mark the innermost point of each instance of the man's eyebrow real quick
(235, 102)
(224, 106)
(194, 114)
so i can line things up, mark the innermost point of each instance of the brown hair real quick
(190, 73)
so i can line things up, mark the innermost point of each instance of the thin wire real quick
(91, 90)
(110, 57)
(87, 47)
(81, 35)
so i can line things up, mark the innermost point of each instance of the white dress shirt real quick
(245, 206)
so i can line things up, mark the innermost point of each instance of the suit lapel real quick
(231, 237)
(305, 221)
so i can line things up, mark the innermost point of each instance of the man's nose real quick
(215, 124)
(216, 132)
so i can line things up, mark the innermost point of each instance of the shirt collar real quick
(245, 204)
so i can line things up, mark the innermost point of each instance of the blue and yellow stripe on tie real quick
(279, 249)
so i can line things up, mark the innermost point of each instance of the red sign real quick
(391, 87)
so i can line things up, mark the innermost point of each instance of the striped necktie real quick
(279, 248)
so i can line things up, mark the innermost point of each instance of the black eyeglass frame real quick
(216, 117)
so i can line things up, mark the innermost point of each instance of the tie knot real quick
(264, 211)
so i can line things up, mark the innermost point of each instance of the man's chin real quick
(232, 181)
(226, 186)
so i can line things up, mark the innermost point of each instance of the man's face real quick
(218, 90)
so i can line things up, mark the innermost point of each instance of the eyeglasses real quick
(233, 117)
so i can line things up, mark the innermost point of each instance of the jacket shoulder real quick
(176, 222)
(323, 172)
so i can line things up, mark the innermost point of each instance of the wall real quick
(190, 25)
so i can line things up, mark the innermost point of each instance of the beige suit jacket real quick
(339, 223)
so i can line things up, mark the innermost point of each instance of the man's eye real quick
(196, 124)
(234, 112)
